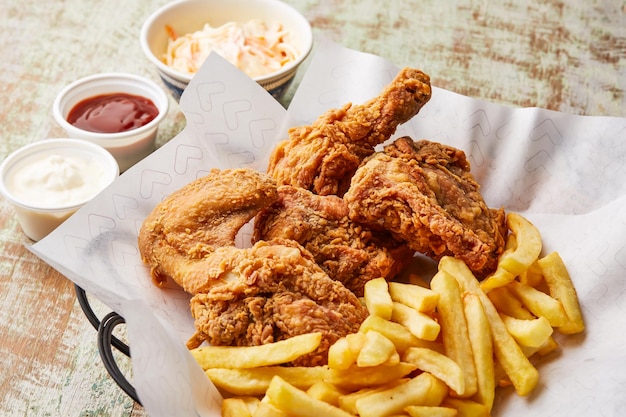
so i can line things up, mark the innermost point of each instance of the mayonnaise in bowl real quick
(48, 181)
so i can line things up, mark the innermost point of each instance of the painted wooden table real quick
(565, 56)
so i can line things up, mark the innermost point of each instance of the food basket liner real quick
(563, 172)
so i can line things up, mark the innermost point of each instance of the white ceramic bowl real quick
(127, 147)
(188, 16)
(48, 180)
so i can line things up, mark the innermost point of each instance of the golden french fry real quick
(533, 276)
(528, 244)
(235, 407)
(438, 365)
(344, 352)
(421, 325)
(479, 332)
(467, 408)
(293, 401)
(424, 389)
(420, 298)
(348, 402)
(356, 378)
(514, 262)
(377, 298)
(507, 303)
(549, 347)
(255, 381)
(561, 288)
(326, 392)
(500, 277)
(430, 411)
(266, 409)
(376, 350)
(254, 356)
(401, 337)
(532, 333)
(454, 331)
(540, 303)
(522, 373)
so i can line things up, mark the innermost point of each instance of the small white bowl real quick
(48, 180)
(188, 16)
(127, 147)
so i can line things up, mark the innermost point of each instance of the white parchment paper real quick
(565, 173)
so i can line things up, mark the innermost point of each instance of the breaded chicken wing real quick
(423, 193)
(323, 157)
(196, 219)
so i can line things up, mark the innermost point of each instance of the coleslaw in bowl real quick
(266, 39)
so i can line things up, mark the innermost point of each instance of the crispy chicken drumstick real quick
(323, 157)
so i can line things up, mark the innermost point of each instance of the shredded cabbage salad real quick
(254, 47)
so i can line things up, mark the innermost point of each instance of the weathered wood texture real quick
(566, 56)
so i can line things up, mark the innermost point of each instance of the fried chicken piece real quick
(251, 296)
(423, 193)
(271, 292)
(346, 251)
(323, 157)
(198, 218)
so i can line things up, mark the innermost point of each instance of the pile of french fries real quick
(438, 349)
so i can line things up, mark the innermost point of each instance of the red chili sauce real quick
(112, 113)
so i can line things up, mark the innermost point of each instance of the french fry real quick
(454, 331)
(348, 402)
(326, 392)
(507, 303)
(515, 261)
(521, 372)
(500, 277)
(532, 333)
(421, 325)
(235, 407)
(420, 298)
(467, 408)
(255, 356)
(479, 332)
(540, 303)
(561, 288)
(377, 298)
(255, 381)
(438, 365)
(430, 411)
(266, 409)
(376, 350)
(528, 244)
(357, 378)
(533, 276)
(424, 389)
(293, 401)
(344, 352)
(401, 337)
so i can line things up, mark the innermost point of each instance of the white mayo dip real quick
(51, 181)
(47, 181)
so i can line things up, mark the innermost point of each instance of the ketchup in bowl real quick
(112, 113)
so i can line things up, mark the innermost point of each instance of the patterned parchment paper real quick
(565, 173)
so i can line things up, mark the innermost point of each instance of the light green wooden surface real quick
(565, 56)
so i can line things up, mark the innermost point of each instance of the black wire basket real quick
(107, 341)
